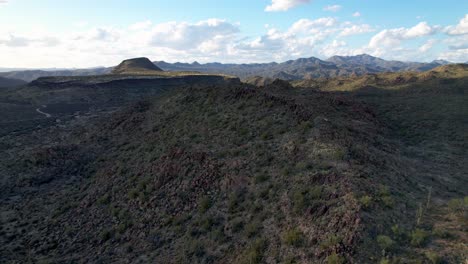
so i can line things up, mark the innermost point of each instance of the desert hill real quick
(7, 82)
(199, 168)
(303, 68)
(135, 66)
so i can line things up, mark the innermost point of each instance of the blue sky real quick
(86, 33)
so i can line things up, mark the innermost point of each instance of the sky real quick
(90, 33)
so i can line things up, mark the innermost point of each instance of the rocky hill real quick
(137, 65)
(216, 171)
(304, 68)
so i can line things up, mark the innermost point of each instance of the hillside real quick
(7, 82)
(196, 168)
(304, 68)
(136, 65)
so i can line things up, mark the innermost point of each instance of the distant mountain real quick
(135, 65)
(31, 75)
(7, 82)
(304, 68)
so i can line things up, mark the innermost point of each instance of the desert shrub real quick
(385, 242)
(133, 193)
(204, 204)
(441, 233)
(398, 232)
(293, 237)
(418, 237)
(335, 259)
(252, 228)
(456, 205)
(365, 201)
(104, 200)
(254, 254)
(384, 191)
(235, 199)
(433, 257)
(385, 261)
(299, 201)
(315, 192)
(388, 201)
(331, 242)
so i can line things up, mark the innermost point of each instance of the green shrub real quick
(335, 259)
(441, 233)
(388, 201)
(104, 200)
(384, 261)
(293, 237)
(133, 193)
(385, 242)
(331, 242)
(418, 237)
(433, 257)
(365, 201)
(299, 201)
(204, 204)
(315, 192)
(456, 205)
(254, 254)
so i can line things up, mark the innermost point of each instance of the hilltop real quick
(195, 168)
(134, 66)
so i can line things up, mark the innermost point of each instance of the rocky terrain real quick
(194, 168)
(303, 68)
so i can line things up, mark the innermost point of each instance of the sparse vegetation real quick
(419, 237)
(293, 237)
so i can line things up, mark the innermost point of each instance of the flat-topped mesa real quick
(135, 66)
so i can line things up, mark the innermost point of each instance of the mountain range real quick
(304, 68)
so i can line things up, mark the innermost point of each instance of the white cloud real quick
(284, 5)
(356, 29)
(393, 37)
(460, 29)
(356, 14)
(186, 36)
(332, 8)
(427, 46)
(3, 2)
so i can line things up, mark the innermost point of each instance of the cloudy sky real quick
(87, 33)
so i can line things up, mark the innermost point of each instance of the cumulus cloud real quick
(185, 36)
(356, 14)
(356, 29)
(393, 37)
(460, 29)
(427, 46)
(332, 8)
(17, 41)
(284, 5)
